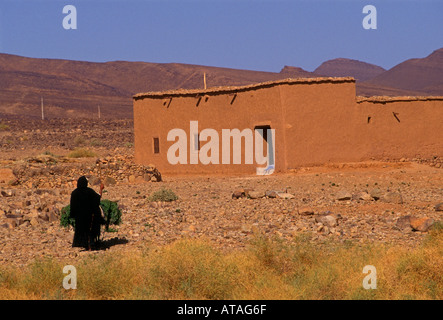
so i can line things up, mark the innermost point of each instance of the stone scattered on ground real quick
(393, 202)
(344, 195)
(421, 224)
(392, 197)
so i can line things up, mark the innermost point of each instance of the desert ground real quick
(385, 201)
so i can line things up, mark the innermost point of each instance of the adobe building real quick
(315, 121)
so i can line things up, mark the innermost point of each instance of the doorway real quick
(267, 142)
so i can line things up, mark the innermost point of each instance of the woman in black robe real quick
(85, 209)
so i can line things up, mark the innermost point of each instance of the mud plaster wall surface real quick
(315, 123)
(319, 123)
(400, 129)
(156, 117)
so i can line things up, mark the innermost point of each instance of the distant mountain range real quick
(341, 67)
(420, 75)
(76, 89)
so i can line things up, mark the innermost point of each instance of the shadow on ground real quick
(106, 244)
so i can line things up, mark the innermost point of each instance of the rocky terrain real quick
(389, 201)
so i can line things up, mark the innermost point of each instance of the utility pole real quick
(43, 112)
(204, 79)
(99, 115)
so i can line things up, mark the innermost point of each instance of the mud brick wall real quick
(402, 127)
(316, 121)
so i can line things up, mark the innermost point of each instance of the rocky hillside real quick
(76, 89)
(341, 67)
(422, 75)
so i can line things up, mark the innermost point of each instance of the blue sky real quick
(243, 34)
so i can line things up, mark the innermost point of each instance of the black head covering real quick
(82, 182)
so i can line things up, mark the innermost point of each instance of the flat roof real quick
(232, 89)
(387, 99)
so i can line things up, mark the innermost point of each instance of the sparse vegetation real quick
(81, 153)
(95, 142)
(269, 269)
(4, 127)
(49, 153)
(111, 211)
(65, 217)
(80, 141)
(165, 195)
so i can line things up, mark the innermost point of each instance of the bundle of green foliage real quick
(165, 195)
(111, 211)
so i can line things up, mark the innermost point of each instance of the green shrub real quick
(165, 195)
(111, 211)
(65, 217)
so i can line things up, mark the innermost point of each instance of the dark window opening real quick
(197, 142)
(265, 131)
(156, 145)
